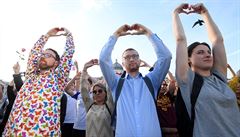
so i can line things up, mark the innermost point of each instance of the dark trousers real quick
(67, 129)
(78, 133)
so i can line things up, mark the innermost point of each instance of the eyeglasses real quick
(164, 85)
(97, 91)
(134, 56)
(48, 55)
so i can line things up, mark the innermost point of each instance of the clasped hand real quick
(187, 9)
(135, 29)
(58, 32)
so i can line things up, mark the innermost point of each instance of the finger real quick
(126, 28)
(183, 11)
(125, 33)
(185, 6)
(192, 11)
(138, 33)
(93, 61)
(135, 26)
(62, 29)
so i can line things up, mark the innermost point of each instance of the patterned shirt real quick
(36, 110)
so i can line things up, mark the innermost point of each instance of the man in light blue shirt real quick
(136, 111)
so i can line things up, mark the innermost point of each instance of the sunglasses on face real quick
(48, 55)
(164, 85)
(97, 91)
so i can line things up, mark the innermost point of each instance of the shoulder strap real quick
(105, 105)
(90, 106)
(108, 109)
(197, 85)
(119, 88)
(218, 77)
(117, 94)
(149, 85)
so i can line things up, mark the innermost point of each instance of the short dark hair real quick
(56, 54)
(194, 45)
(129, 49)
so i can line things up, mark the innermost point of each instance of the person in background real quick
(166, 108)
(3, 98)
(36, 110)
(70, 118)
(12, 89)
(100, 108)
(234, 83)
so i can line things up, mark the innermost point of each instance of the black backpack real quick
(118, 91)
(185, 123)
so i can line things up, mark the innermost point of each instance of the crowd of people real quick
(125, 103)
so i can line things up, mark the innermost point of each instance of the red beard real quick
(43, 64)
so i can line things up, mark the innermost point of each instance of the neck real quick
(99, 103)
(201, 72)
(133, 74)
(42, 71)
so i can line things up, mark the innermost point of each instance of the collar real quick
(139, 75)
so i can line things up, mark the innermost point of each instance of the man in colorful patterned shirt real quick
(36, 110)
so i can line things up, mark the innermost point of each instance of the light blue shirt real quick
(136, 111)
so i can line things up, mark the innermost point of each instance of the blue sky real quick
(93, 21)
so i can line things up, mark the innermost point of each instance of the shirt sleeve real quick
(66, 62)
(84, 90)
(32, 64)
(162, 64)
(105, 62)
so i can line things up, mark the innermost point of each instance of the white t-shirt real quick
(80, 122)
(71, 111)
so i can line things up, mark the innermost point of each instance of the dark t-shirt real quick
(166, 111)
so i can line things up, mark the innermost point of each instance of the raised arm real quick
(231, 70)
(181, 42)
(84, 83)
(74, 81)
(77, 81)
(105, 60)
(66, 59)
(163, 54)
(172, 83)
(36, 51)
(145, 64)
(17, 76)
(216, 38)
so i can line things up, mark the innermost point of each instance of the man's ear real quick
(189, 62)
(56, 63)
(123, 64)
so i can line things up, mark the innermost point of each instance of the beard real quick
(43, 64)
(134, 68)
